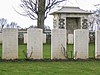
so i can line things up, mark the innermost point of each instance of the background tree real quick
(38, 9)
(3, 23)
(46, 28)
(32, 26)
(94, 23)
(12, 25)
(94, 20)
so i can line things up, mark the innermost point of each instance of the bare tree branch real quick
(50, 5)
(30, 7)
(38, 9)
(3, 22)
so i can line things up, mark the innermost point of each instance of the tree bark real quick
(41, 14)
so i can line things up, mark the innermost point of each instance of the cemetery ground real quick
(48, 67)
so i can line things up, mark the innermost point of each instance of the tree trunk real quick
(41, 14)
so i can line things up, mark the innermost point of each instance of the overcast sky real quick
(7, 11)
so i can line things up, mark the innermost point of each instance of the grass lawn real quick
(68, 67)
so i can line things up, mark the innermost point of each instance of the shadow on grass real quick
(49, 60)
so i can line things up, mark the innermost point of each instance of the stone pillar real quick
(56, 21)
(81, 41)
(70, 39)
(97, 44)
(81, 18)
(35, 43)
(44, 38)
(84, 23)
(10, 43)
(25, 38)
(55, 25)
(58, 44)
(63, 16)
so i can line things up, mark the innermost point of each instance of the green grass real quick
(91, 51)
(50, 68)
(68, 67)
(47, 51)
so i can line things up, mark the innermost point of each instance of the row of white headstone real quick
(58, 44)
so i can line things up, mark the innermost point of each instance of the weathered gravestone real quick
(70, 39)
(35, 43)
(81, 41)
(25, 37)
(58, 44)
(0, 37)
(44, 38)
(97, 44)
(10, 43)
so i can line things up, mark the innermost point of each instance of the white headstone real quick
(58, 44)
(25, 37)
(0, 37)
(81, 41)
(10, 43)
(44, 38)
(35, 43)
(70, 39)
(97, 44)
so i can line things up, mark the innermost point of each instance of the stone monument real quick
(25, 37)
(35, 43)
(58, 44)
(97, 44)
(10, 43)
(81, 42)
(70, 39)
